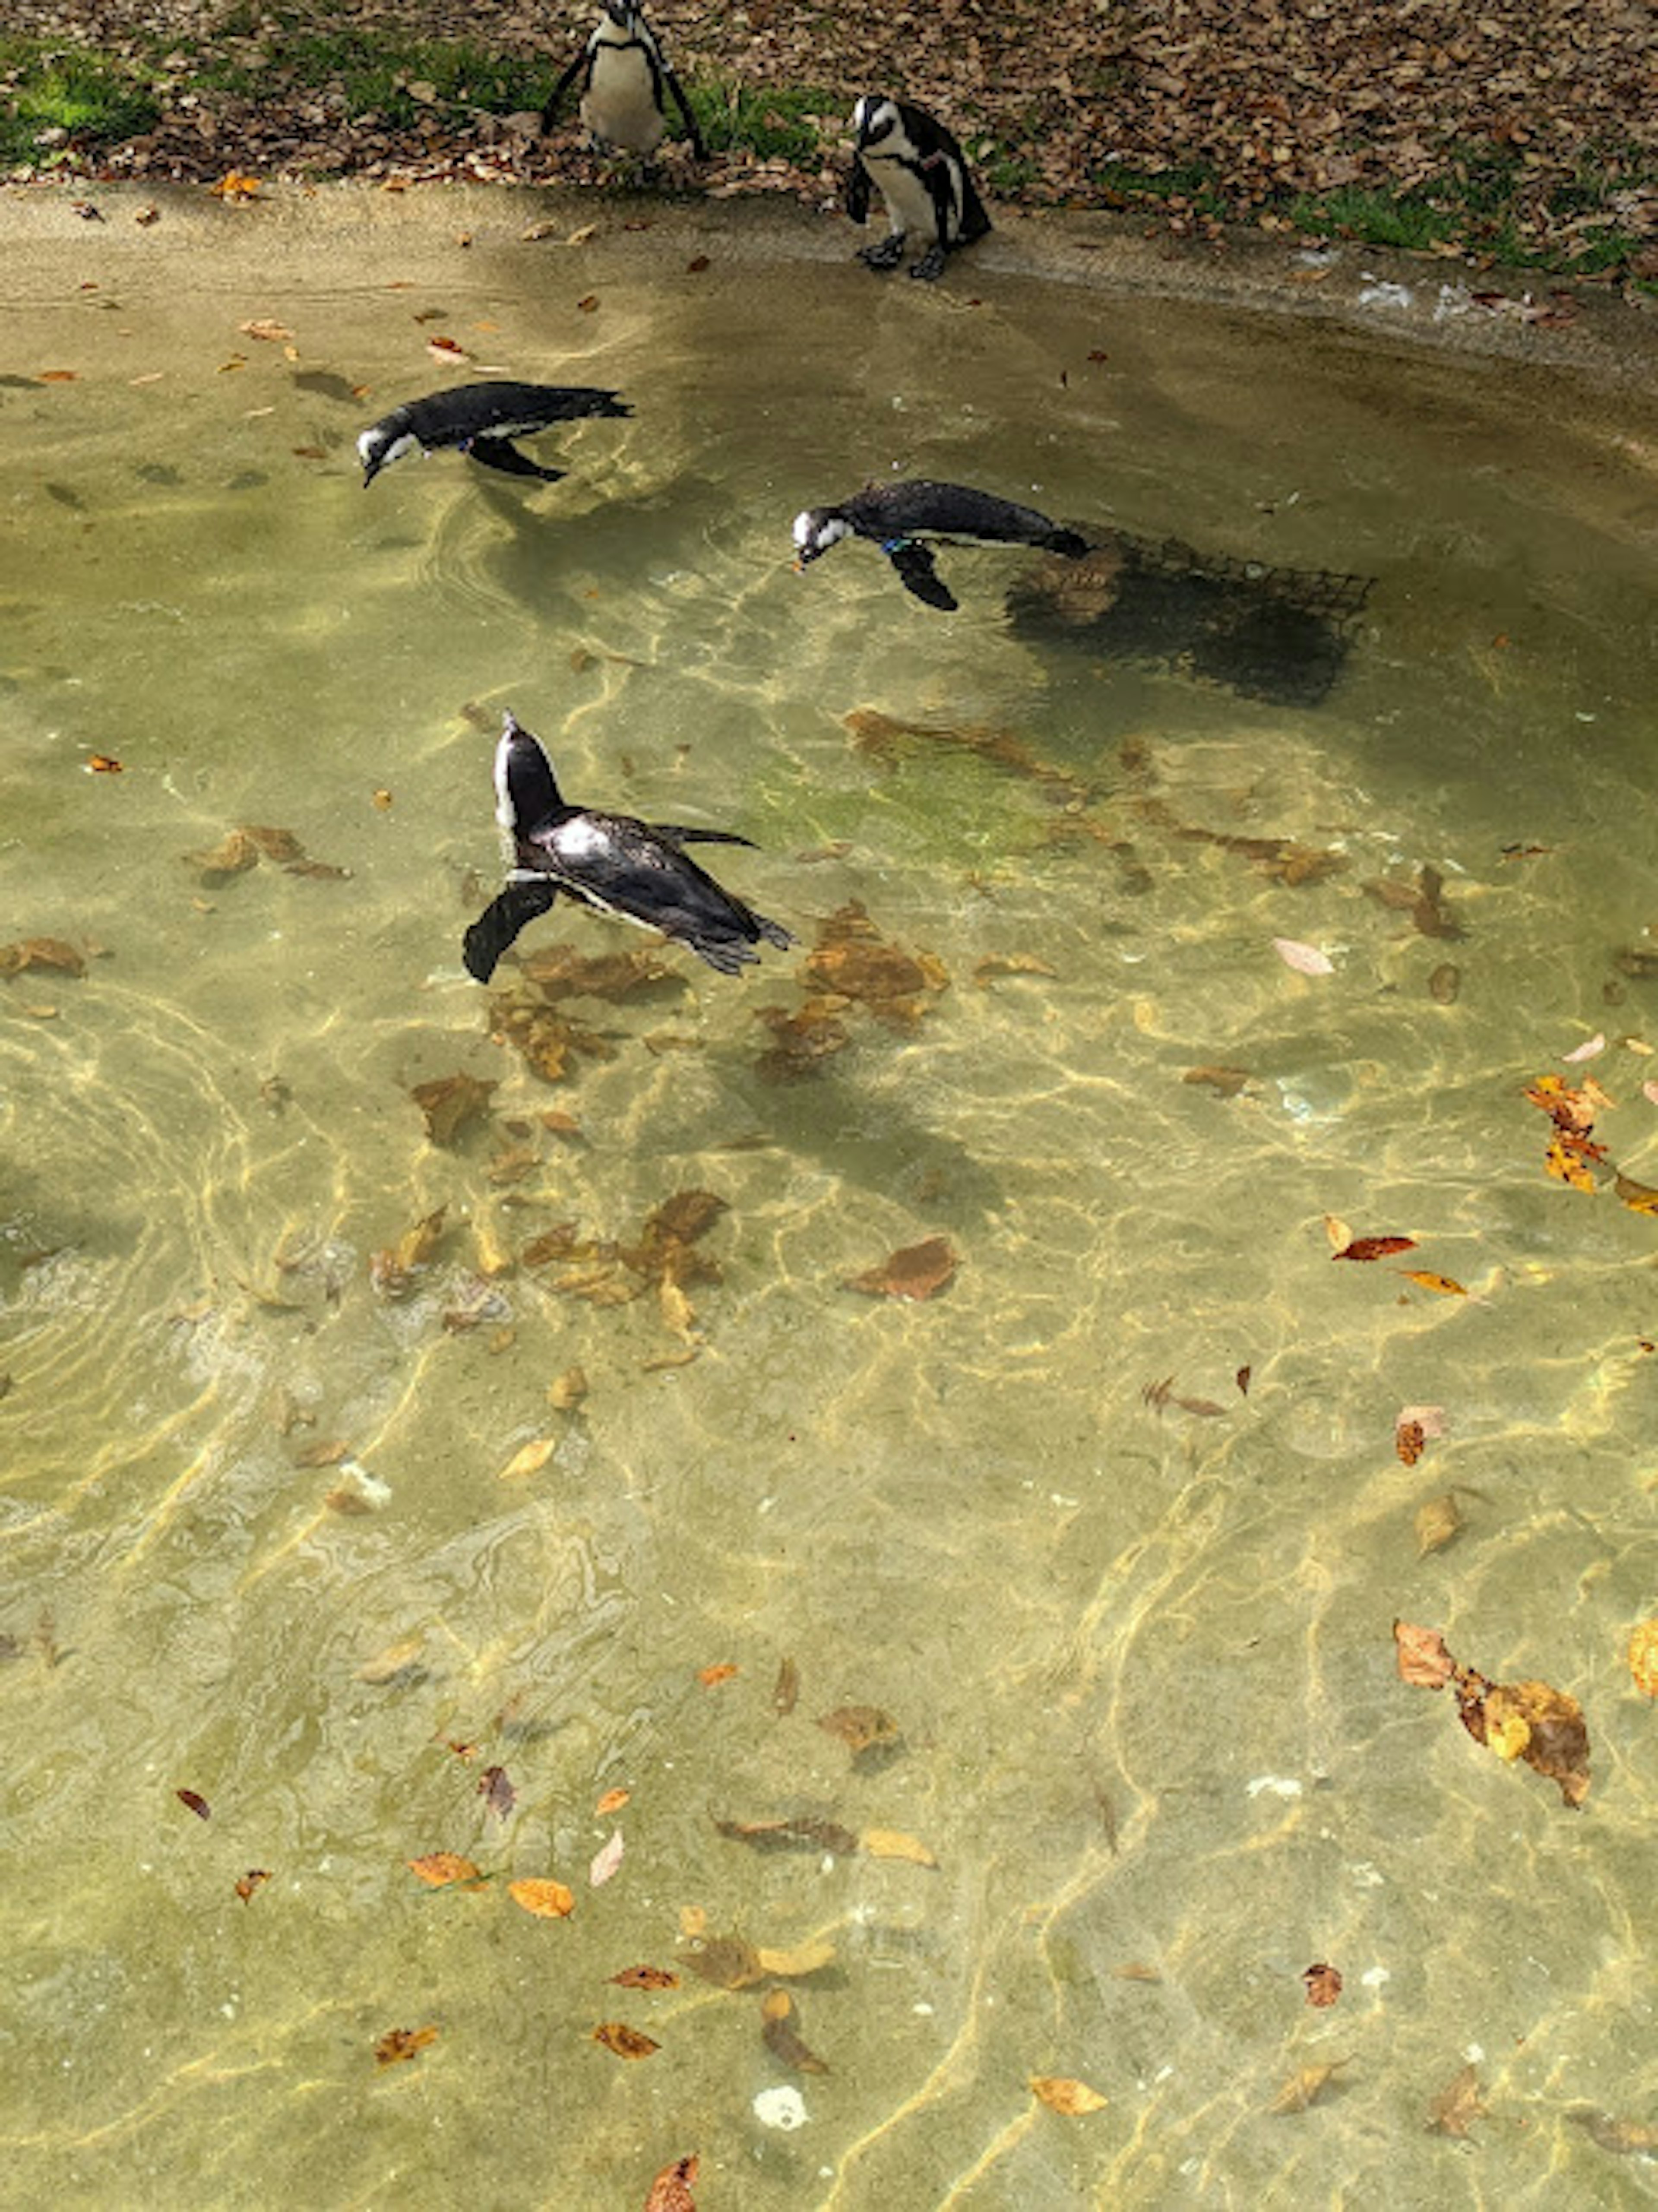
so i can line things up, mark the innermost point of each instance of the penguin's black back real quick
(899, 510)
(505, 410)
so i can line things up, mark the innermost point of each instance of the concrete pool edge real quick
(1417, 301)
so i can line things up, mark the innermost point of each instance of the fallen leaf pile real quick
(1528, 1721)
(244, 846)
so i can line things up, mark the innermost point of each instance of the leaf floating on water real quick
(1643, 1657)
(451, 1103)
(1446, 1285)
(625, 2042)
(798, 1964)
(1621, 2137)
(1304, 2087)
(440, 1869)
(539, 1894)
(497, 1791)
(1437, 1524)
(785, 1691)
(1241, 1378)
(1323, 1985)
(783, 2039)
(587, 305)
(398, 2044)
(802, 1835)
(861, 1728)
(918, 1272)
(255, 1878)
(672, 2190)
(1423, 1658)
(894, 1843)
(1305, 959)
(645, 1977)
(197, 1804)
(1457, 2105)
(1374, 1248)
(711, 1677)
(1225, 1082)
(606, 1860)
(728, 1962)
(1061, 2093)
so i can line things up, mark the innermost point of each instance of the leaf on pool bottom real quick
(328, 1453)
(1305, 2086)
(711, 1677)
(727, 1961)
(625, 2042)
(1437, 1524)
(1305, 959)
(916, 1272)
(783, 2039)
(1010, 964)
(1530, 1721)
(1566, 1163)
(196, 1803)
(47, 952)
(1643, 1657)
(1453, 2110)
(802, 1835)
(862, 1728)
(233, 855)
(497, 1791)
(540, 1894)
(529, 1459)
(785, 1691)
(566, 1391)
(1162, 1393)
(390, 1270)
(451, 1103)
(1639, 1197)
(265, 326)
(1063, 2093)
(852, 960)
(606, 1860)
(612, 1802)
(801, 1039)
(1423, 1658)
(798, 1962)
(400, 2044)
(1621, 2137)
(443, 1870)
(1446, 1285)
(103, 764)
(1323, 1984)
(645, 1977)
(1225, 1082)
(1374, 1248)
(1409, 1441)
(672, 2190)
(255, 1878)
(563, 971)
(442, 349)
(894, 1843)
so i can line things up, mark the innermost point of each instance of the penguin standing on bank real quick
(482, 420)
(923, 178)
(893, 514)
(623, 76)
(612, 863)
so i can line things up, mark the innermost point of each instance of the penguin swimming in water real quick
(892, 513)
(623, 76)
(611, 862)
(481, 420)
(923, 176)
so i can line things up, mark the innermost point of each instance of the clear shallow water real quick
(1140, 1659)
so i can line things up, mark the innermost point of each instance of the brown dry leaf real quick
(672, 2190)
(264, 326)
(1639, 1197)
(612, 1802)
(442, 1869)
(783, 2039)
(1543, 1726)
(1304, 2086)
(529, 1459)
(1447, 1286)
(1437, 1524)
(894, 1843)
(441, 348)
(785, 1691)
(645, 1977)
(587, 305)
(196, 1803)
(711, 1677)
(627, 2042)
(1423, 1659)
(56, 375)
(104, 765)
(399, 2044)
(1643, 1656)
(697, 264)
(917, 1271)
(728, 1962)
(1241, 1378)
(255, 1878)
(802, 1835)
(497, 1791)
(1410, 1440)
(1445, 984)
(1374, 1248)
(235, 854)
(1323, 1984)
(568, 1390)
(852, 960)
(1457, 2105)
(1621, 2137)
(450, 1103)
(861, 1727)
(540, 1894)
(801, 1039)
(1566, 1165)
(48, 952)
(1226, 1081)
(391, 1272)
(1011, 963)
(1060, 2093)
(797, 1964)
(1136, 1971)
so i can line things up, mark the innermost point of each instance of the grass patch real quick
(97, 99)
(798, 123)
(400, 81)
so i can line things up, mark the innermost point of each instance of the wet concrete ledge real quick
(309, 234)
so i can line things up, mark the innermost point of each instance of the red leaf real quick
(1374, 1248)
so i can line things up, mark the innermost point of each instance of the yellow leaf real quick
(1069, 2097)
(1643, 1657)
(440, 1869)
(1444, 1284)
(793, 1966)
(1567, 1168)
(1437, 1522)
(547, 1899)
(893, 1843)
(529, 1459)
(1304, 2086)
(1639, 1197)
(1339, 1233)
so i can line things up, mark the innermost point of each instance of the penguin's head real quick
(624, 14)
(526, 791)
(872, 118)
(815, 531)
(378, 447)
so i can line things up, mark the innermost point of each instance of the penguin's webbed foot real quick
(931, 265)
(886, 253)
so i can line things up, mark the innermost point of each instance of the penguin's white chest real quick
(620, 104)
(909, 201)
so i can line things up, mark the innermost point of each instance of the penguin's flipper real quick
(858, 190)
(676, 833)
(499, 923)
(556, 94)
(501, 454)
(671, 82)
(917, 573)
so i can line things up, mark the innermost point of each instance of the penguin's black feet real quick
(931, 265)
(887, 254)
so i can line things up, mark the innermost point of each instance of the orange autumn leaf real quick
(103, 764)
(1423, 1659)
(399, 2044)
(672, 2190)
(894, 1843)
(197, 1804)
(255, 1878)
(612, 1802)
(1410, 1439)
(625, 2042)
(540, 1894)
(1447, 1285)
(919, 1271)
(645, 1977)
(1565, 1168)
(56, 376)
(1323, 1984)
(1374, 1248)
(1639, 1197)
(1643, 1656)
(440, 1868)
(233, 186)
(709, 1676)
(1060, 2093)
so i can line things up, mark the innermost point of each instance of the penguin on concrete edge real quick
(924, 180)
(623, 78)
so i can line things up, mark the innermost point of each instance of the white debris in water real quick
(783, 2107)
(1280, 1786)
(922, 2010)
(1474, 2053)
(1374, 1977)
(1377, 292)
(1366, 1875)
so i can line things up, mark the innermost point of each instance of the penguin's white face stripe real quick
(505, 813)
(373, 444)
(812, 536)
